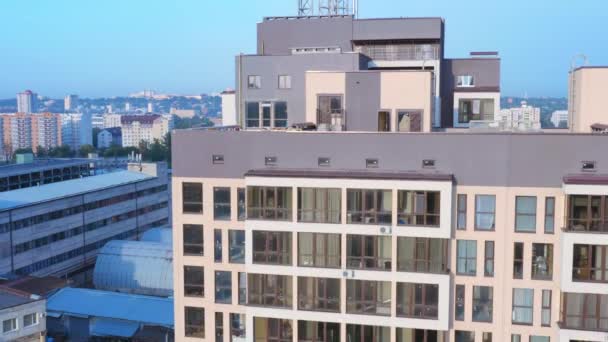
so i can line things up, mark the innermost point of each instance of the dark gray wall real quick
(398, 28)
(526, 160)
(362, 101)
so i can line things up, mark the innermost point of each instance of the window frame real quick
(480, 302)
(589, 224)
(241, 198)
(519, 214)
(525, 307)
(270, 212)
(376, 216)
(314, 253)
(218, 246)
(518, 260)
(461, 212)
(384, 117)
(282, 253)
(189, 202)
(187, 246)
(194, 289)
(277, 295)
(14, 327)
(535, 275)
(416, 307)
(592, 252)
(549, 224)
(366, 294)
(284, 82)
(416, 213)
(546, 308)
(459, 302)
(199, 330)
(254, 82)
(478, 212)
(468, 260)
(460, 81)
(489, 259)
(321, 300)
(320, 214)
(233, 236)
(412, 263)
(375, 260)
(218, 207)
(223, 285)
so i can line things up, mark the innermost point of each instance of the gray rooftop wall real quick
(524, 160)
(398, 28)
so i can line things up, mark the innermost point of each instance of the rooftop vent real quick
(371, 163)
(218, 159)
(324, 162)
(588, 166)
(428, 164)
(270, 161)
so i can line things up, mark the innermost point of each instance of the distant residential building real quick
(23, 316)
(76, 130)
(184, 113)
(57, 229)
(110, 109)
(522, 118)
(111, 120)
(70, 103)
(21, 131)
(150, 108)
(560, 118)
(229, 108)
(97, 121)
(27, 102)
(127, 107)
(109, 136)
(587, 98)
(138, 128)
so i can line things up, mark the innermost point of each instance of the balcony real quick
(587, 214)
(400, 52)
(584, 312)
(365, 297)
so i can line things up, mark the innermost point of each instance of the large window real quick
(223, 287)
(195, 322)
(460, 303)
(367, 333)
(238, 331)
(525, 214)
(461, 219)
(485, 212)
(330, 110)
(518, 260)
(254, 82)
(418, 208)
(319, 294)
(523, 306)
(464, 336)
(590, 263)
(418, 300)
(272, 330)
(30, 319)
(368, 252)
(422, 255)
(192, 198)
(237, 246)
(488, 263)
(266, 114)
(549, 215)
(9, 325)
(221, 204)
(309, 331)
(284, 82)
(483, 303)
(319, 205)
(466, 254)
(585, 311)
(409, 120)
(270, 290)
(280, 114)
(193, 239)
(194, 281)
(269, 203)
(384, 121)
(369, 206)
(368, 297)
(542, 261)
(252, 115)
(319, 250)
(588, 213)
(419, 335)
(475, 109)
(272, 248)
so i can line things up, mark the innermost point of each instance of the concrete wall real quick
(33, 332)
(588, 98)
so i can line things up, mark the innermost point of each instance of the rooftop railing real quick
(400, 52)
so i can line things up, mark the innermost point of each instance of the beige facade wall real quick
(410, 91)
(588, 91)
(317, 83)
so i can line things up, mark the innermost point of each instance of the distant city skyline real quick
(114, 48)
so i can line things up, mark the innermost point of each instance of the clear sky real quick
(113, 47)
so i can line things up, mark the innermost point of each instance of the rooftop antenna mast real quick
(338, 7)
(306, 8)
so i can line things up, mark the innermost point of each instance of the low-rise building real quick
(22, 316)
(109, 137)
(523, 118)
(559, 119)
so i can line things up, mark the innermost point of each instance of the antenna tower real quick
(328, 7)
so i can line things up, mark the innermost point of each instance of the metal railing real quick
(400, 52)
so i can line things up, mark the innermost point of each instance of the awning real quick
(102, 327)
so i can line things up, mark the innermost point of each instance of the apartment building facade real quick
(25, 131)
(146, 128)
(320, 236)
(57, 229)
(76, 130)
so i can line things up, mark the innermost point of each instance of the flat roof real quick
(9, 299)
(39, 165)
(28, 196)
(351, 174)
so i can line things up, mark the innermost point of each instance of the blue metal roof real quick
(104, 327)
(94, 303)
(160, 235)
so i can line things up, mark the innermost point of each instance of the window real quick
(217, 241)
(461, 220)
(9, 325)
(418, 300)
(272, 248)
(422, 255)
(549, 215)
(366, 333)
(409, 121)
(459, 307)
(193, 239)
(195, 322)
(30, 319)
(542, 261)
(419, 335)
(270, 290)
(368, 297)
(329, 110)
(525, 214)
(269, 203)
(368, 206)
(475, 109)
(518, 260)
(241, 209)
(318, 331)
(192, 198)
(540, 338)
(418, 208)
(466, 257)
(252, 115)
(284, 82)
(464, 336)
(588, 213)
(590, 263)
(488, 264)
(254, 82)
(384, 121)
(280, 114)
(368, 252)
(584, 311)
(483, 302)
(242, 288)
(319, 250)
(465, 81)
(237, 327)
(515, 338)
(221, 204)
(319, 294)
(319, 205)
(486, 337)
(272, 330)
(523, 306)
(223, 287)
(545, 314)
(219, 327)
(237, 246)
(485, 210)
(194, 281)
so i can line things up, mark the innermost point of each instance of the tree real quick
(63, 151)
(85, 150)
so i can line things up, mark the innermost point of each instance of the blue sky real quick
(113, 47)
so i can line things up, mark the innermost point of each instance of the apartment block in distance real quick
(31, 131)
(146, 128)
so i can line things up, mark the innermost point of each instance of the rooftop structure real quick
(43, 171)
(586, 98)
(22, 315)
